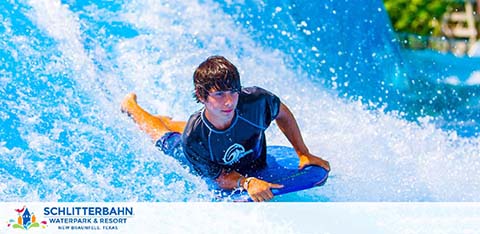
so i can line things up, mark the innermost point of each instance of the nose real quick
(229, 99)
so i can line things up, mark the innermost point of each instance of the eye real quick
(218, 94)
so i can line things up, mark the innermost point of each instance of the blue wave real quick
(385, 118)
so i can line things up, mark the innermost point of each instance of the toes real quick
(128, 101)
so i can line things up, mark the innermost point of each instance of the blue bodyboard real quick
(282, 168)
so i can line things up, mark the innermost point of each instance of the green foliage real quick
(34, 225)
(18, 226)
(421, 17)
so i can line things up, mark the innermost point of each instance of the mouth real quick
(227, 111)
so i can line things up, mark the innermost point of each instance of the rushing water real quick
(395, 125)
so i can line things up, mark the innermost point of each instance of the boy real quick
(225, 140)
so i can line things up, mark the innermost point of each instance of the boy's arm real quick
(288, 125)
(258, 190)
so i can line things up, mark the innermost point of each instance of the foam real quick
(73, 144)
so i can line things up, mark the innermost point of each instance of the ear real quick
(200, 97)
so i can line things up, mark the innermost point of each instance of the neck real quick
(218, 123)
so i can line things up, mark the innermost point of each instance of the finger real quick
(259, 197)
(276, 185)
(327, 166)
(270, 195)
(267, 195)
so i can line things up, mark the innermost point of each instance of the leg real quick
(154, 126)
(174, 126)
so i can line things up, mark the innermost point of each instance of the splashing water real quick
(65, 67)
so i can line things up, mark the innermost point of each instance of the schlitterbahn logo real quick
(26, 219)
(87, 218)
(76, 218)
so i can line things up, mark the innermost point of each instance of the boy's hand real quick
(309, 159)
(259, 190)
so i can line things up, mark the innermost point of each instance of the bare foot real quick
(128, 102)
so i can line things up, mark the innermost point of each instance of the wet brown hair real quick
(217, 73)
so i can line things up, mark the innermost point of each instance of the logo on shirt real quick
(234, 153)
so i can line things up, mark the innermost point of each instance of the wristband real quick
(247, 182)
(239, 180)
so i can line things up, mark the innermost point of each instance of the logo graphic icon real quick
(26, 220)
(234, 153)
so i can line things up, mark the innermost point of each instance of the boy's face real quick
(220, 105)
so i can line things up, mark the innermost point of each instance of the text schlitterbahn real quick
(91, 216)
(88, 211)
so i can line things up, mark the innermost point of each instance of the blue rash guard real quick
(242, 146)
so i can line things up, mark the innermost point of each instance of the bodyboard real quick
(282, 168)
